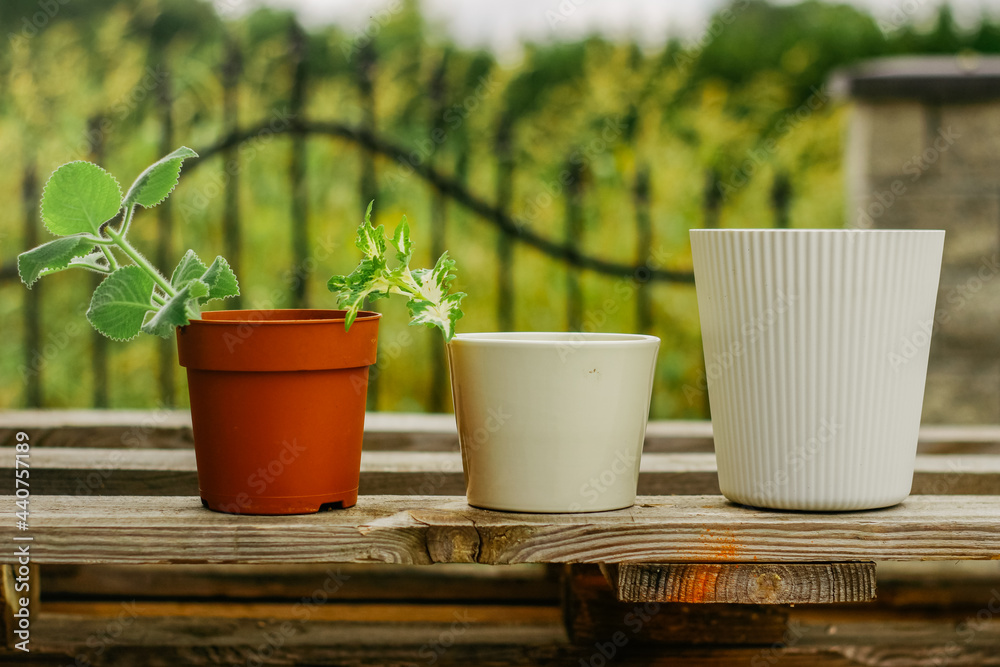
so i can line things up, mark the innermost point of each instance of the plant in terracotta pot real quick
(385, 270)
(277, 396)
(547, 422)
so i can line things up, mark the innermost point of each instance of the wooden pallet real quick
(122, 546)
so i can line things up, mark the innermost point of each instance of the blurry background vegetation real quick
(609, 150)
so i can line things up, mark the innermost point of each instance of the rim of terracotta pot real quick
(282, 316)
(288, 339)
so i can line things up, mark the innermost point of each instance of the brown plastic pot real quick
(278, 407)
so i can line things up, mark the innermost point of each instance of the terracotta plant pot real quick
(278, 407)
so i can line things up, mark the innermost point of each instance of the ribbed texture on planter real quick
(816, 346)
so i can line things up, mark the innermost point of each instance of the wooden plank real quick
(593, 612)
(742, 583)
(450, 582)
(939, 584)
(171, 472)
(514, 654)
(386, 430)
(422, 529)
(927, 584)
(850, 635)
(321, 610)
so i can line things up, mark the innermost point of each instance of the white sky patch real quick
(503, 26)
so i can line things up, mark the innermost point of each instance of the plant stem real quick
(159, 299)
(141, 262)
(112, 262)
(93, 267)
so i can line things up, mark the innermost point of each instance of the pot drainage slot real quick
(336, 505)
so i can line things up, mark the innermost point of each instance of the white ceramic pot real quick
(816, 345)
(551, 422)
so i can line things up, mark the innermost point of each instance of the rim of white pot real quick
(554, 339)
(817, 231)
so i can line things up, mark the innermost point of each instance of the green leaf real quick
(189, 268)
(434, 283)
(442, 315)
(158, 180)
(178, 311)
(401, 242)
(221, 280)
(78, 198)
(371, 240)
(370, 280)
(120, 303)
(51, 257)
(430, 303)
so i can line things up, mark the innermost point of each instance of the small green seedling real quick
(83, 204)
(430, 303)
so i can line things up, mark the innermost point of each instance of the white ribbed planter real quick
(551, 422)
(816, 345)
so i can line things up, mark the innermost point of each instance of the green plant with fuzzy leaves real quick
(427, 289)
(84, 205)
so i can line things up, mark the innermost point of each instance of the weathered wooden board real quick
(505, 651)
(422, 529)
(486, 633)
(593, 612)
(167, 429)
(106, 471)
(171, 429)
(742, 583)
(455, 582)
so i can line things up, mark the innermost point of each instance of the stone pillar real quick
(923, 152)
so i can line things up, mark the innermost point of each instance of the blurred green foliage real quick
(698, 115)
